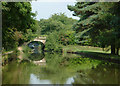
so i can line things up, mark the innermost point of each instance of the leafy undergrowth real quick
(81, 63)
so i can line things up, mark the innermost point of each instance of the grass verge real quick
(92, 52)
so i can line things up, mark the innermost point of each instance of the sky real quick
(47, 8)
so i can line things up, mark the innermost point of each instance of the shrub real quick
(52, 43)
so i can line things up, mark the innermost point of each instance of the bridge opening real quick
(36, 45)
(37, 50)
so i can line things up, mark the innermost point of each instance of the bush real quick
(56, 40)
(52, 43)
(66, 37)
(26, 52)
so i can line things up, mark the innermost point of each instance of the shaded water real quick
(62, 69)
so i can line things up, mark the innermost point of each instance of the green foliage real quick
(66, 37)
(11, 37)
(101, 20)
(16, 18)
(84, 61)
(56, 22)
(6, 59)
(58, 28)
(82, 39)
(26, 49)
(26, 52)
(56, 40)
(52, 43)
(50, 25)
(29, 35)
(63, 19)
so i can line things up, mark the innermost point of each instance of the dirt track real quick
(21, 52)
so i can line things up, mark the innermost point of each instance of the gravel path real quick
(21, 52)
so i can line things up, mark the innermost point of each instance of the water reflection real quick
(99, 75)
(40, 62)
(70, 80)
(36, 56)
(35, 80)
(62, 70)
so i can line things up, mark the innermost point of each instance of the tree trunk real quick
(117, 52)
(113, 49)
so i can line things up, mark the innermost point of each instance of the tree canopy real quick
(16, 19)
(58, 29)
(101, 22)
(55, 23)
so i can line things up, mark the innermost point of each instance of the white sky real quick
(55, 0)
(48, 7)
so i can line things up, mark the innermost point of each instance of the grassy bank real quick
(75, 48)
(92, 52)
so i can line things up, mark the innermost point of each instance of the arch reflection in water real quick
(36, 56)
(40, 62)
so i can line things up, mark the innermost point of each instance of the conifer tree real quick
(101, 22)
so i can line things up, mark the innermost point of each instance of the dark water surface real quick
(62, 69)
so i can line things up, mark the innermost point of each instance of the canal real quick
(61, 69)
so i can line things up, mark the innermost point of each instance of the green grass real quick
(76, 48)
(90, 51)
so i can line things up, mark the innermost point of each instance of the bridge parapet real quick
(41, 39)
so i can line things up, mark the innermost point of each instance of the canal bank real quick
(58, 68)
(22, 53)
(92, 52)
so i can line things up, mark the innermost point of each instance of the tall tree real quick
(55, 23)
(16, 17)
(101, 22)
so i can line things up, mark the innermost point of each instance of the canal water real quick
(61, 69)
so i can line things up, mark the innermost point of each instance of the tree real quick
(59, 30)
(50, 25)
(101, 20)
(16, 17)
(56, 22)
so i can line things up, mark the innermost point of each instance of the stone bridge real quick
(40, 39)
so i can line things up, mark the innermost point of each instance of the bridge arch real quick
(37, 42)
(34, 44)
